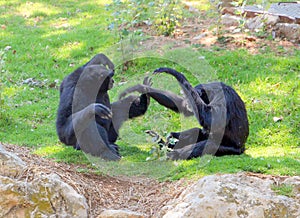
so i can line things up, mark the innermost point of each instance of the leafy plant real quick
(162, 15)
(167, 16)
(158, 152)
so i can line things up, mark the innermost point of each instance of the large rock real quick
(254, 23)
(10, 164)
(230, 20)
(46, 195)
(289, 31)
(230, 196)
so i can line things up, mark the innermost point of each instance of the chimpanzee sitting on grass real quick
(85, 118)
(217, 107)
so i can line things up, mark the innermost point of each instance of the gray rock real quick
(230, 196)
(289, 31)
(120, 214)
(230, 20)
(10, 164)
(271, 20)
(203, 35)
(46, 195)
(254, 23)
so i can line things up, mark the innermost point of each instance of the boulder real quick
(254, 23)
(10, 164)
(230, 20)
(44, 195)
(289, 31)
(271, 20)
(230, 196)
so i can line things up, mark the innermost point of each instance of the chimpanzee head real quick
(97, 76)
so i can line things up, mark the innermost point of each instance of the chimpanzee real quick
(217, 107)
(85, 118)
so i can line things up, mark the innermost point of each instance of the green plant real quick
(158, 152)
(283, 189)
(167, 16)
(126, 16)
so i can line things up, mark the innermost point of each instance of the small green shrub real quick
(163, 16)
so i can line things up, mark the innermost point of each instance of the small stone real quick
(200, 36)
(120, 214)
(229, 20)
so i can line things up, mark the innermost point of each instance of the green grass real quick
(283, 189)
(50, 39)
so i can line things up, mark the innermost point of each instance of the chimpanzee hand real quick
(102, 111)
(142, 88)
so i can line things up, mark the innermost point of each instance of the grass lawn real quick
(43, 41)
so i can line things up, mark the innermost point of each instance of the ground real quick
(143, 195)
(200, 32)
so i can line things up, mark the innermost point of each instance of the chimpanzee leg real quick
(202, 148)
(188, 152)
(187, 137)
(225, 150)
(94, 140)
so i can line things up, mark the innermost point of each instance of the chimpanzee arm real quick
(124, 109)
(201, 110)
(165, 98)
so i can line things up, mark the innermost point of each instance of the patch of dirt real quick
(199, 32)
(143, 195)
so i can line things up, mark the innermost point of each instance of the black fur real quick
(219, 110)
(85, 118)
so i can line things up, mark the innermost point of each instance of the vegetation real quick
(283, 189)
(162, 15)
(43, 41)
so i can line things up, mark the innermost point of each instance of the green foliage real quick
(158, 152)
(283, 189)
(162, 15)
(167, 16)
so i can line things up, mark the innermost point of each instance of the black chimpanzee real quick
(219, 110)
(85, 118)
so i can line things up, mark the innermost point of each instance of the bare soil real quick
(143, 195)
(200, 32)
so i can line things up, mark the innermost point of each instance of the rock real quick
(270, 19)
(10, 164)
(227, 3)
(120, 214)
(203, 35)
(229, 20)
(254, 23)
(46, 195)
(230, 196)
(289, 31)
